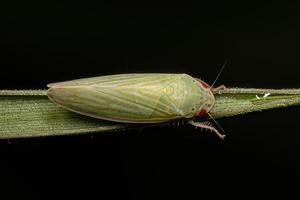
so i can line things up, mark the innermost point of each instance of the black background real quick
(49, 41)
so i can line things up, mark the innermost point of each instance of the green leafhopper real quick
(138, 98)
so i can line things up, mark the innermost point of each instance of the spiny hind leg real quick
(208, 126)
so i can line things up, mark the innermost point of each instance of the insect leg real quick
(218, 89)
(208, 126)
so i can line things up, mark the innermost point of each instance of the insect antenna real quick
(211, 117)
(220, 72)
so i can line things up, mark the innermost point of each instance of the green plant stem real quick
(236, 101)
(29, 113)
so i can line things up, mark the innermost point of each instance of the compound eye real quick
(205, 85)
(201, 113)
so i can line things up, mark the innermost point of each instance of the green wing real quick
(135, 98)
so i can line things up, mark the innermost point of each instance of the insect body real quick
(137, 98)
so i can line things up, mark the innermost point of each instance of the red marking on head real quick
(201, 113)
(205, 85)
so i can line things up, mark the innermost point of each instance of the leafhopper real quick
(138, 98)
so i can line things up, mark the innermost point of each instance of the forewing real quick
(139, 98)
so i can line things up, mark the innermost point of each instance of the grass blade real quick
(29, 113)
